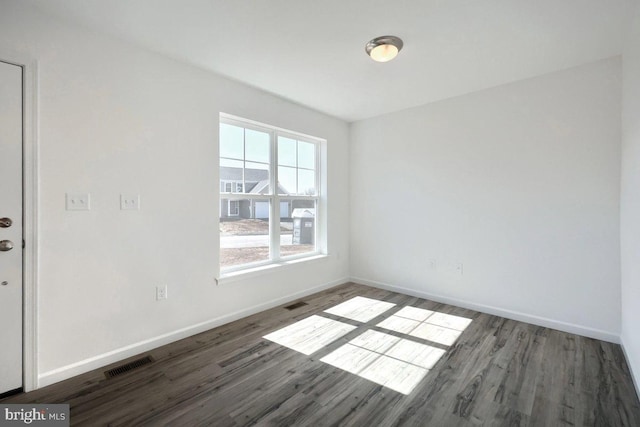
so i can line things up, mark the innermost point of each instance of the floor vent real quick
(296, 305)
(123, 369)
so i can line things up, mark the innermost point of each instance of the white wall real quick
(519, 183)
(113, 119)
(630, 199)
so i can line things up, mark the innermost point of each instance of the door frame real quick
(30, 214)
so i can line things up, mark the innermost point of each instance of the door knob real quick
(5, 222)
(6, 245)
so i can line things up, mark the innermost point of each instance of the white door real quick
(10, 227)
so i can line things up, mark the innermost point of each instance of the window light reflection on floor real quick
(394, 362)
(360, 308)
(433, 326)
(311, 334)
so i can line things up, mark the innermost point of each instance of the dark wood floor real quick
(498, 372)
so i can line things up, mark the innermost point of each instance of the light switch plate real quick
(78, 201)
(130, 202)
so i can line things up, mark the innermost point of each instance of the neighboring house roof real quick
(250, 175)
(258, 176)
(263, 187)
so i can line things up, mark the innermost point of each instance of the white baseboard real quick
(509, 314)
(86, 365)
(631, 364)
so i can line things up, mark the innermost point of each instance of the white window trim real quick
(260, 270)
(275, 198)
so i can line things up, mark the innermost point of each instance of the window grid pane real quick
(306, 155)
(301, 156)
(245, 240)
(231, 141)
(286, 151)
(298, 232)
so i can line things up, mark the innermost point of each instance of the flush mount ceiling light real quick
(383, 49)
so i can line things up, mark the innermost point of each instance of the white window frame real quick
(274, 198)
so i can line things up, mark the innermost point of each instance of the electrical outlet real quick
(457, 268)
(433, 265)
(161, 292)
(130, 202)
(78, 201)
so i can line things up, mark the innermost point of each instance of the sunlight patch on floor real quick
(396, 363)
(311, 334)
(441, 328)
(360, 309)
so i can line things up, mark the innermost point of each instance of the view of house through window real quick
(269, 194)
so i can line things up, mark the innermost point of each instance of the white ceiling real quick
(312, 52)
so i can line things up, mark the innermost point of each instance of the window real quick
(270, 182)
(225, 187)
(234, 208)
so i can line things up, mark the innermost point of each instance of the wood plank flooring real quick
(498, 372)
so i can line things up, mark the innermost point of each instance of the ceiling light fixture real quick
(383, 49)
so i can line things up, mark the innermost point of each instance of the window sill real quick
(251, 272)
